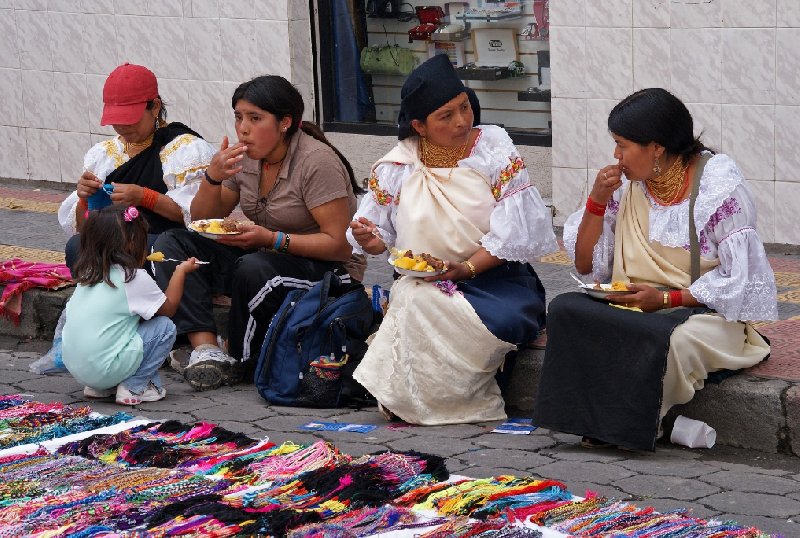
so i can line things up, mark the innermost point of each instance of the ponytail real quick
(313, 130)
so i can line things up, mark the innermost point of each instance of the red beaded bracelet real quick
(595, 208)
(675, 298)
(149, 199)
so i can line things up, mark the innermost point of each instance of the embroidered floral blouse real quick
(520, 224)
(183, 160)
(742, 286)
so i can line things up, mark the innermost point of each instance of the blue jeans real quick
(158, 335)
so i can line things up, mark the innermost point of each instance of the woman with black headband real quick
(462, 194)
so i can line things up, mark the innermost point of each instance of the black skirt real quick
(604, 369)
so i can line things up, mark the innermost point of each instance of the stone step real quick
(746, 411)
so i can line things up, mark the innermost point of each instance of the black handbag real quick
(383, 9)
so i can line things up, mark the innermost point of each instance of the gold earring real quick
(657, 167)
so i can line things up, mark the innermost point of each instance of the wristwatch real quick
(212, 181)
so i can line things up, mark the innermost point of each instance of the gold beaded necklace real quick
(435, 156)
(668, 187)
(133, 148)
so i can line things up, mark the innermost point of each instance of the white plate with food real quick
(603, 291)
(421, 265)
(213, 228)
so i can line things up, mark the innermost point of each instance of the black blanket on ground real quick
(604, 369)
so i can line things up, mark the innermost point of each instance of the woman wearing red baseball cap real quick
(151, 164)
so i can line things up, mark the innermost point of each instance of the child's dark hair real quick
(277, 96)
(655, 115)
(108, 239)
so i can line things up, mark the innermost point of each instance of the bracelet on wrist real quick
(285, 247)
(210, 180)
(665, 303)
(472, 272)
(595, 208)
(676, 298)
(149, 199)
(278, 240)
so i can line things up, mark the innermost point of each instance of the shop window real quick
(500, 49)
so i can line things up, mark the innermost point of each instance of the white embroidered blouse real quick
(742, 286)
(183, 160)
(520, 224)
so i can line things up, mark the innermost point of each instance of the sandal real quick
(385, 413)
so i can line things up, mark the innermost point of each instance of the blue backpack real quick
(314, 343)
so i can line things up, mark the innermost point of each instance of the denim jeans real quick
(158, 335)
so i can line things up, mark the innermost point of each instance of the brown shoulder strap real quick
(694, 243)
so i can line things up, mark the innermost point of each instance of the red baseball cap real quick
(125, 94)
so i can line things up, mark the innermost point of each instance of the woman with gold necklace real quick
(462, 194)
(151, 164)
(677, 224)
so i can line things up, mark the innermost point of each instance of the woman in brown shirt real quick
(300, 193)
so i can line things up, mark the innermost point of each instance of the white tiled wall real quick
(56, 54)
(734, 63)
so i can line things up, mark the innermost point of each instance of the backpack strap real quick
(694, 244)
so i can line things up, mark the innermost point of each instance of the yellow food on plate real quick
(404, 263)
(618, 285)
(423, 262)
(421, 266)
(215, 227)
(156, 257)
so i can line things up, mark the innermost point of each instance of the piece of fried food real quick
(156, 257)
(618, 285)
(435, 263)
(230, 224)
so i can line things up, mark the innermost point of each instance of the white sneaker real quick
(210, 367)
(96, 394)
(150, 394)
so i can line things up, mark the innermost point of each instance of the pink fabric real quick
(19, 276)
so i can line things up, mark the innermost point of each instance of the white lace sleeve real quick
(603, 252)
(742, 286)
(66, 214)
(184, 160)
(521, 225)
(379, 205)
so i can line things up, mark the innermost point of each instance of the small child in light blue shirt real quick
(117, 331)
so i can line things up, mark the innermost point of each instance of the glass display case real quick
(500, 49)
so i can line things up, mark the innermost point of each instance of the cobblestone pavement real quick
(750, 487)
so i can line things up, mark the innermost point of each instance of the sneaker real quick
(209, 367)
(179, 358)
(150, 394)
(97, 394)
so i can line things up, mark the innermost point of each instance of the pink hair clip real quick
(130, 213)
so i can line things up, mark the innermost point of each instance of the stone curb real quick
(746, 411)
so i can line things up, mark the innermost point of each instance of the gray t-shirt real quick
(311, 175)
